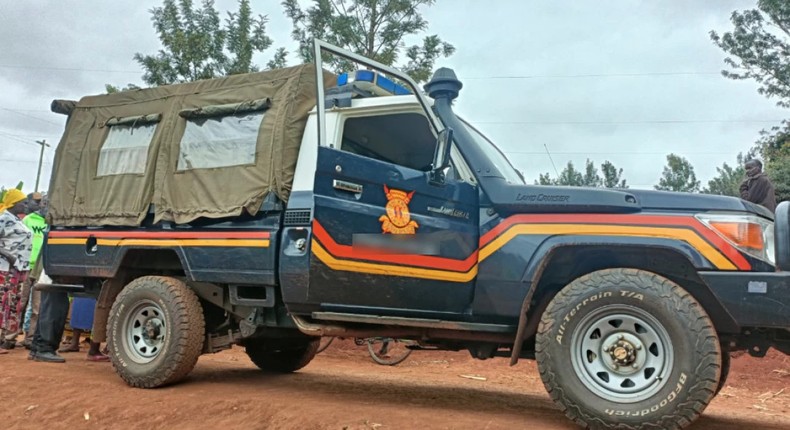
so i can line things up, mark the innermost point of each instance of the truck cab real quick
(273, 209)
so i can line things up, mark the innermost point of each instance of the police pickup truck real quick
(271, 209)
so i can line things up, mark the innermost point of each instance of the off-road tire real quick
(725, 370)
(282, 355)
(692, 356)
(184, 330)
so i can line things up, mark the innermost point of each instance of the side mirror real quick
(441, 158)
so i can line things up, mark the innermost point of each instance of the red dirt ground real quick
(342, 389)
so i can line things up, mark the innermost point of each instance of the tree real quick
(591, 177)
(678, 175)
(195, 44)
(612, 176)
(113, 89)
(759, 48)
(570, 176)
(373, 28)
(728, 179)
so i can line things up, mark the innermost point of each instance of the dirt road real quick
(341, 389)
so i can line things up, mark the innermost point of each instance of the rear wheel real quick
(155, 331)
(282, 355)
(628, 348)
(725, 370)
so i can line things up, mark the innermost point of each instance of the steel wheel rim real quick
(145, 328)
(622, 353)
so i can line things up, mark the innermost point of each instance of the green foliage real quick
(678, 175)
(591, 177)
(778, 170)
(109, 88)
(372, 28)
(196, 45)
(612, 176)
(728, 178)
(758, 47)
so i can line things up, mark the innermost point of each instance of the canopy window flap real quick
(227, 109)
(134, 120)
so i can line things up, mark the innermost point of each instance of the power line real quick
(68, 69)
(615, 153)
(11, 137)
(537, 76)
(597, 75)
(27, 135)
(31, 116)
(658, 121)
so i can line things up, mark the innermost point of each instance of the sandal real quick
(3, 351)
(69, 349)
(98, 358)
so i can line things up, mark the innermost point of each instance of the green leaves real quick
(373, 28)
(570, 176)
(196, 45)
(727, 179)
(759, 49)
(678, 175)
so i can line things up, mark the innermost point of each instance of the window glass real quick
(405, 139)
(495, 155)
(125, 151)
(219, 141)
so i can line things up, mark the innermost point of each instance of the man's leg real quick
(31, 317)
(49, 330)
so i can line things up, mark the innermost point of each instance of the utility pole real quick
(43, 144)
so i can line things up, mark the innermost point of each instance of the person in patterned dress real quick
(16, 244)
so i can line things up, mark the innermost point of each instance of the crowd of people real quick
(22, 310)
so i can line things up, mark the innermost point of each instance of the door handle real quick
(347, 186)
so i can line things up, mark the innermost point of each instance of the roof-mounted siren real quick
(443, 85)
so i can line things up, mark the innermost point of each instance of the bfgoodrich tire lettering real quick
(626, 318)
(155, 331)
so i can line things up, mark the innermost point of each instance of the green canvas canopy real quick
(211, 148)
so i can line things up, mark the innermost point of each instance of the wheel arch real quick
(561, 263)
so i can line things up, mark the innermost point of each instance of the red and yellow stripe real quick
(682, 228)
(161, 238)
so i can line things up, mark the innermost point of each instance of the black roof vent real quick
(443, 84)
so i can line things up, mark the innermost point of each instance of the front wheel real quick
(625, 347)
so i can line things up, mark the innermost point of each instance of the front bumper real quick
(758, 300)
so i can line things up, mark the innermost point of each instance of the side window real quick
(125, 150)
(405, 139)
(221, 141)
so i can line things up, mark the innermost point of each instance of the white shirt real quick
(17, 239)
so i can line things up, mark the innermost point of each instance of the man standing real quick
(35, 221)
(757, 188)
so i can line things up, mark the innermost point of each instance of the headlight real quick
(749, 233)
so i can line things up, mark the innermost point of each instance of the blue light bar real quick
(372, 81)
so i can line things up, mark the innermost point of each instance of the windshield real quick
(495, 155)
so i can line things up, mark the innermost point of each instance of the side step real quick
(413, 322)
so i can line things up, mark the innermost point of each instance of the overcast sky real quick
(627, 81)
